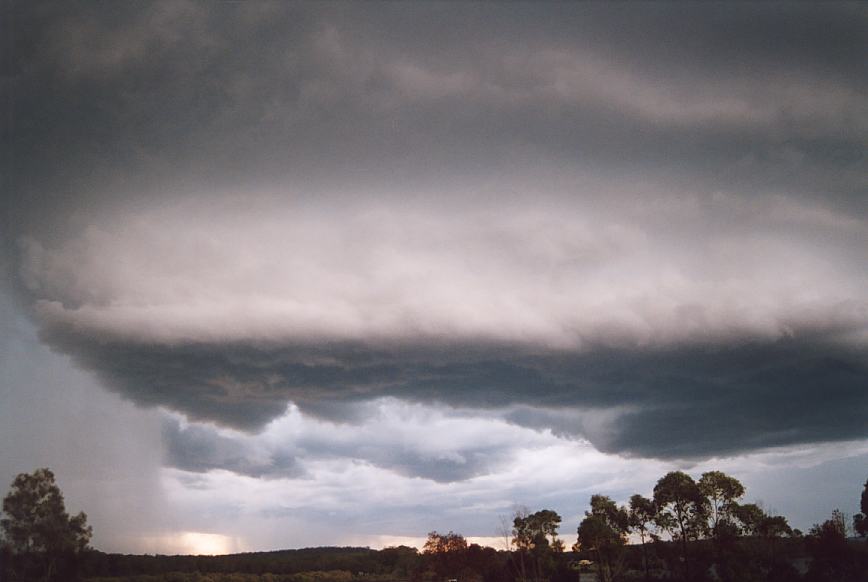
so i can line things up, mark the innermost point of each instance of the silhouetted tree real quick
(860, 520)
(681, 510)
(722, 492)
(749, 516)
(771, 528)
(641, 519)
(447, 552)
(36, 522)
(827, 544)
(444, 543)
(535, 535)
(604, 532)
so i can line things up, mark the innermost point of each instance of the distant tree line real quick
(687, 531)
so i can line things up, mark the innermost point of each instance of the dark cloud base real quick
(683, 402)
(199, 449)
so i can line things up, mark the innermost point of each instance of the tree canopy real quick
(604, 531)
(36, 518)
(721, 493)
(860, 520)
(40, 539)
(535, 535)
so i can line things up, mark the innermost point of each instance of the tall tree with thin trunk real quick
(604, 532)
(641, 519)
(860, 520)
(722, 492)
(536, 535)
(681, 510)
(36, 522)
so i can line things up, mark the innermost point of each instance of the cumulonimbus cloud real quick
(609, 239)
(231, 316)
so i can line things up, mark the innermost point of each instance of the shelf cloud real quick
(642, 229)
(231, 314)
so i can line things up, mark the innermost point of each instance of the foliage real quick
(774, 526)
(681, 510)
(721, 493)
(535, 537)
(604, 531)
(36, 517)
(713, 536)
(749, 516)
(446, 553)
(641, 516)
(42, 538)
(537, 530)
(681, 506)
(860, 520)
(832, 557)
(444, 543)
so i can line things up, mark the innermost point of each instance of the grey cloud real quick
(695, 403)
(280, 452)
(199, 448)
(688, 402)
(171, 96)
(721, 148)
(467, 462)
(104, 451)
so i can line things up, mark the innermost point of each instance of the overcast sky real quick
(281, 275)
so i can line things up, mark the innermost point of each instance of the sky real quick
(294, 274)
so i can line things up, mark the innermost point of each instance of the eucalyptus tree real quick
(860, 520)
(722, 493)
(536, 535)
(749, 516)
(682, 510)
(604, 532)
(36, 524)
(447, 552)
(641, 515)
(770, 529)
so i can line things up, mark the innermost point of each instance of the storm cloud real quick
(411, 440)
(231, 319)
(643, 226)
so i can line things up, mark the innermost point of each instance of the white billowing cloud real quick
(343, 498)
(555, 275)
(613, 321)
(413, 440)
(372, 502)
